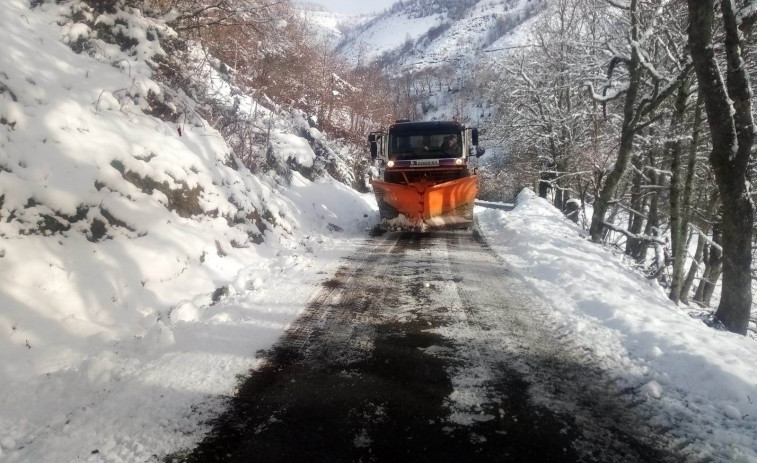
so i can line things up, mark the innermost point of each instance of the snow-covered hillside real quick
(328, 25)
(141, 264)
(430, 33)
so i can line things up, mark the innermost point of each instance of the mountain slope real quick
(328, 25)
(432, 33)
(141, 264)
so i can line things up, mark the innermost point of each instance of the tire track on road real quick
(422, 347)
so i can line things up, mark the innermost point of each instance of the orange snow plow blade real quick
(448, 203)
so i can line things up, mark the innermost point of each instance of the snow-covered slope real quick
(431, 33)
(329, 26)
(141, 264)
(385, 34)
(686, 377)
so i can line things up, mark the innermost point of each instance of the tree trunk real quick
(699, 293)
(653, 216)
(692, 274)
(545, 184)
(680, 193)
(716, 267)
(729, 112)
(607, 194)
(636, 221)
(560, 197)
(699, 253)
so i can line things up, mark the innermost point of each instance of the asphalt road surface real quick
(424, 347)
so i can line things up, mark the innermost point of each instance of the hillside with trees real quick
(607, 117)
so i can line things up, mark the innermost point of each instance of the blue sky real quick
(355, 6)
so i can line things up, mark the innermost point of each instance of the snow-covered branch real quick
(635, 236)
(704, 236)
(604, 97)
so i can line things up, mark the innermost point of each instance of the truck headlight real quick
(459, 162)
(390, 164)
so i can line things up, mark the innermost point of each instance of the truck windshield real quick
(446, 145)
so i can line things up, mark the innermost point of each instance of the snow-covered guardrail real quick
(494, 205)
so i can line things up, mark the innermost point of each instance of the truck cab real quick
(427, 172)
(410, 150)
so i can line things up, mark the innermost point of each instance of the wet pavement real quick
(423, 347)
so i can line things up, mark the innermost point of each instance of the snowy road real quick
(424, 347)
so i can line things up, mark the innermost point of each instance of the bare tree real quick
(729, 112)
(547, 122)
(638, 110)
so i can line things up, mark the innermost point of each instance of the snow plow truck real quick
(426, 177)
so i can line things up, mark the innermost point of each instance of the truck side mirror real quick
(374, 145)
(474, 134)
(480, 152)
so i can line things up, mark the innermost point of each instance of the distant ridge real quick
(432, 33)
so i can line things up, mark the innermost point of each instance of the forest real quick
(635, 118)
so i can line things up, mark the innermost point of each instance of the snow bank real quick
(141, 267)
(701, 380)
